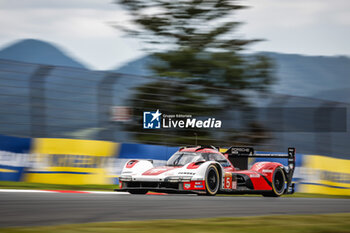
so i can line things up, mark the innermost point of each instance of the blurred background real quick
(95, 66)
(45, 101)
(276, 74)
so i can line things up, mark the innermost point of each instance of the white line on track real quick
(60, 191)
(102, 192)
(24, 191)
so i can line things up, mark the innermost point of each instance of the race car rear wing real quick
(238, 156)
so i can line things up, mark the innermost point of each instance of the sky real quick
(82, 28)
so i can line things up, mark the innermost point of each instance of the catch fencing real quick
(40, 101)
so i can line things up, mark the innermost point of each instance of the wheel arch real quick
(275, 192)
(221, 173)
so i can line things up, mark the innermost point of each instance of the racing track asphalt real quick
(28, 209)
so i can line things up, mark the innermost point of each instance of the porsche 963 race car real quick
(204, 170)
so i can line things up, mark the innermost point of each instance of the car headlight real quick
(186, 178)
(125, 178)
(172, 179)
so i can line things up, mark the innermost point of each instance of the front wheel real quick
(141, 192)
(278, 184)
(212, 180)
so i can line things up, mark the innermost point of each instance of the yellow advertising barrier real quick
(70, 161)
(326, 175)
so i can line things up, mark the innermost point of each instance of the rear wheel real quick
(138, 191)
(212, 180)
(278, 183)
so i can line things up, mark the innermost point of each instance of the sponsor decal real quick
(157, 120)
(228, 181)
(267, 170)
(8, 158)
(254, 175)
(70, 161)
(186, 173)
(81, 161)
(325, 175)
(236, 150)
(194, 185)
(234, 184)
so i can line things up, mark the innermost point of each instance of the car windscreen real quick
(182, 158)
(216, 157)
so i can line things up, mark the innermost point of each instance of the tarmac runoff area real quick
(49, 207)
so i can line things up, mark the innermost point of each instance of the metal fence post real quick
(278, 103)
(104, 103)
(322, 126)
(37, 101)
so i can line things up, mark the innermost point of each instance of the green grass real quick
(316, 195)
(330, 223)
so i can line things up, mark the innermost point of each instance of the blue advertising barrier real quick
(14, 157)
(11, 173)
(143, 151)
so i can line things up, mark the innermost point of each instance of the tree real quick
(194, 43)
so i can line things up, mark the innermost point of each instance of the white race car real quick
(205, 170)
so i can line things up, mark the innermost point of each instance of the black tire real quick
(278, 184)
(140, 192)
(212, 180)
